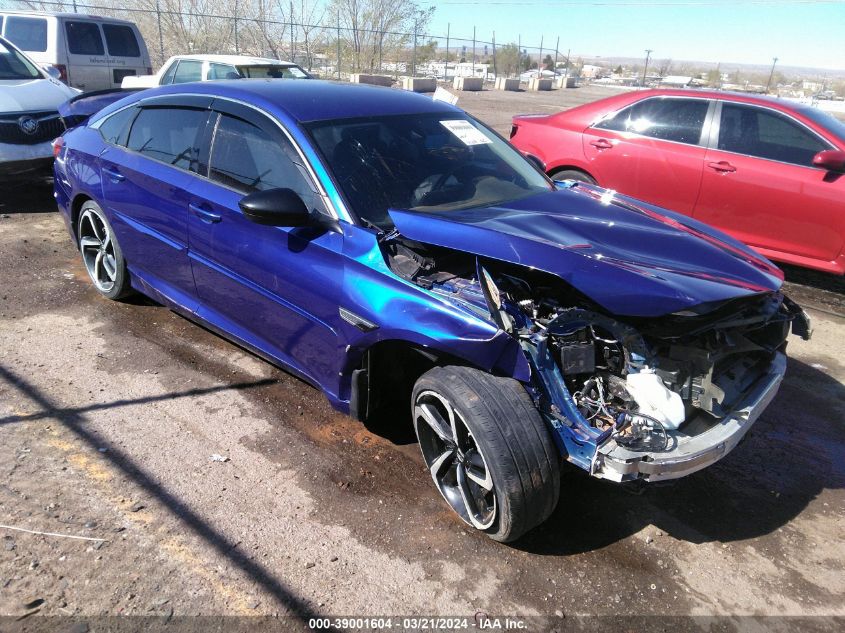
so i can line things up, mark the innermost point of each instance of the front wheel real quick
(487, 449)
(572, 174)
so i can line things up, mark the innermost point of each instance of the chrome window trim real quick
(714, 138)
(320, 189)
(703, 137)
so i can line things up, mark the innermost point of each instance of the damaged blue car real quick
(398, 254)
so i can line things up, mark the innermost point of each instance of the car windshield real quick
(273, 71)
(422, 162)
(13, 65)
(826, 120)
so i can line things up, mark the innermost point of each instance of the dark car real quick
(767, 171)
(395, 252)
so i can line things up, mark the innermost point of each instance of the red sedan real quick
(769, 172)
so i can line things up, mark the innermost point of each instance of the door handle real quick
(113, 174)
(601, 143)
(206, 216)
(722, 166)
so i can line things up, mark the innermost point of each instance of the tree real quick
(714, 78)
(548, 62)
(618, 70)
(370, 28)
(664, 67)
(507, 60)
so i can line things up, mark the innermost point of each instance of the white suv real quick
(29, 117)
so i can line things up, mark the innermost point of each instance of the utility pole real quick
(771, 74)
(648, 53)
(446, 69)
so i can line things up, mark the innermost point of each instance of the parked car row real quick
(47, 59)
(767, 171)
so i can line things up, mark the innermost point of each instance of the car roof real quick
(316, 100)
(59, 14)
(236, 60)
(716, 94)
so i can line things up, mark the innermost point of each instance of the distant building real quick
(812, 87)
(676, 81)
(588, 71)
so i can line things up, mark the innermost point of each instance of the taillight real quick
(62, 72)
(58, 144)
(149, 70)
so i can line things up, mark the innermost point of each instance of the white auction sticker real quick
(466, 132)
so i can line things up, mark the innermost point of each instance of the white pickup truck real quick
(184, 68)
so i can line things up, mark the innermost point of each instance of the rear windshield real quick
(83, 38)
(13, 65)
(121, 41)
(276, 71)
(29, 34)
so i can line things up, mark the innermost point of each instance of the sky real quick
(808, 33)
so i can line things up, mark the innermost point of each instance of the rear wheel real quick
(487, 449)
(572, 174)
(101, 253)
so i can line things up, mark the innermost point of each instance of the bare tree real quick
(379, 27)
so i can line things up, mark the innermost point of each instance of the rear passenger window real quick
(28, 34)
(121, 41)
(678, 120)
(83, 38)
(115, 128)
(169, 135)
(246, 159)
(188, 70)
(766, 134)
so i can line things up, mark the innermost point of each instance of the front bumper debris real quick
(689, 454)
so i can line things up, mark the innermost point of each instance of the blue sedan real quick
(395, 252)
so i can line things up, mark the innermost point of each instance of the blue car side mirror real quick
(276, 207)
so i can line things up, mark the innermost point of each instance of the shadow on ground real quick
(76, 421)
(792, 454)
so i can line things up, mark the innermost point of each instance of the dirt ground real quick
(110, 414)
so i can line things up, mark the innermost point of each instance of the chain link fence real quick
(325, 47)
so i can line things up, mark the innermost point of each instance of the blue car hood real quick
(631, 258)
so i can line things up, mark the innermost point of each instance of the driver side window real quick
(245, 158)
(766, 134)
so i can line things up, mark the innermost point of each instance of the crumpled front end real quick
(654, 342)
(659, 399)
(627, 397)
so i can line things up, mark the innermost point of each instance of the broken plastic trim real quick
(493, 298)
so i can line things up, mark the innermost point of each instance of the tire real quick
(101, 253)
(505, 445)
(572, 174)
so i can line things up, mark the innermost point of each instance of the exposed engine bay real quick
(622, 392)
